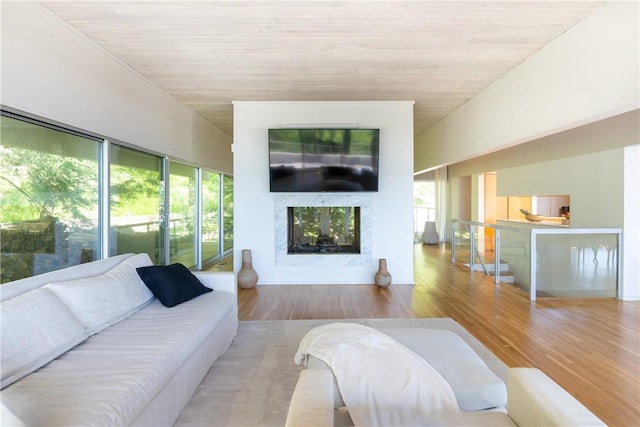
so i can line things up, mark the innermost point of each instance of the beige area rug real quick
(252, 383)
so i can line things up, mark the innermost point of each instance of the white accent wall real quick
(391, 229)
(631, 238)
(53, 72)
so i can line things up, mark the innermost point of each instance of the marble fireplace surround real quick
(282, 202)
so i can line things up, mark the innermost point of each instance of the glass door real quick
(210, 216)
(136, 198)
(182, 208)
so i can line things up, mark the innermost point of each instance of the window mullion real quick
(104, 199)
(165, 213)
(198, 220)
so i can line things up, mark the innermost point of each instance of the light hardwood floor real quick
(591, 347)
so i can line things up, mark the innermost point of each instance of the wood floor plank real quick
(591, 347)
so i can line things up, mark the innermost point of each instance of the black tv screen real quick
(323, 160)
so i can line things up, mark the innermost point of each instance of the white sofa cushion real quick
(537, 400)
(93, 268)
(476, 387)
(36, 328)
(101, 301)
(312, 400)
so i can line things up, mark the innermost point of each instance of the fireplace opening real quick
(323, 230)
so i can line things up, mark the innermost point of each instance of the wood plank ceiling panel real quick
(208, 54)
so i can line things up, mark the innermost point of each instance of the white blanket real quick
(382, 382)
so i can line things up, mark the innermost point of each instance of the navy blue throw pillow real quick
(172, 284)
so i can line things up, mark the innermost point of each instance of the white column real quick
(630, 286)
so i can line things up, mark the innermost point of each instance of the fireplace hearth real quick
(356, 250)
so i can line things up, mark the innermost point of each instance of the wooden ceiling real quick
(207, 54)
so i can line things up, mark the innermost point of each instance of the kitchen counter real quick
(547, 222)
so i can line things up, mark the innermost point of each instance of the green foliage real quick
(50, 185)
(211, 201)
(337, 218)
(227, 204)
(135, 191)
(14, 205)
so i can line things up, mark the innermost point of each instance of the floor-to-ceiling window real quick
(211, 203)
(424, 204)
(49, 195)
(62, 202)
(136, 198)
(182, 219)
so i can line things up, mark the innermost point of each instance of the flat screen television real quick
(323, 160)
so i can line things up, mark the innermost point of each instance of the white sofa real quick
(91, 345)
(529, 398)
